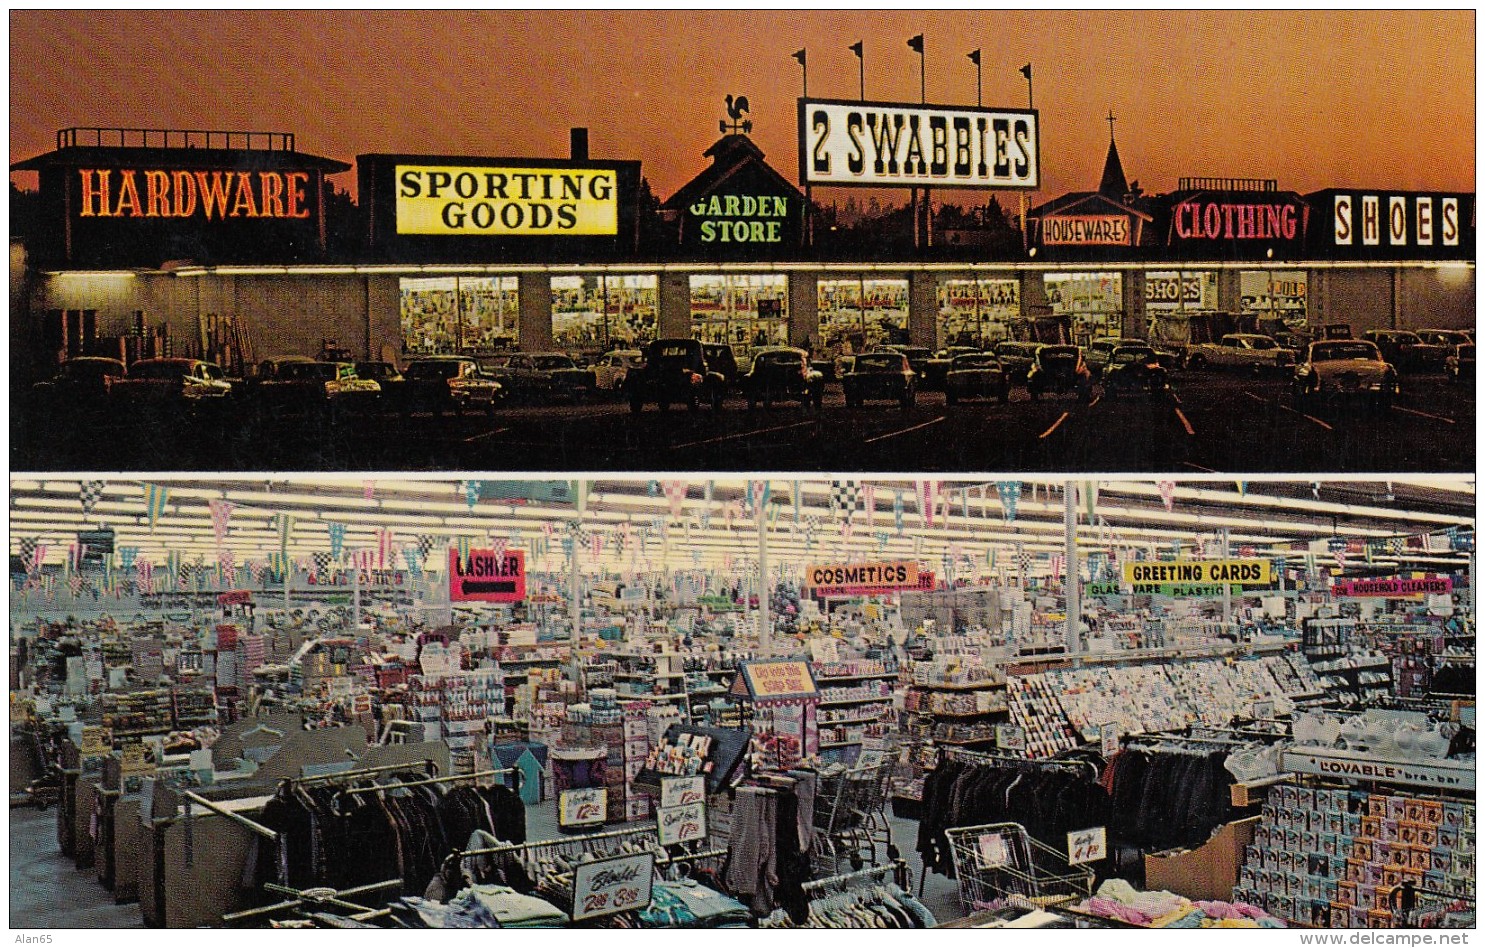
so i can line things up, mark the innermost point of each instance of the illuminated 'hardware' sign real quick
(203, 195)
(884, 144)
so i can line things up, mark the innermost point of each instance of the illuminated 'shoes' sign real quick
(505, 201)
(890, 145)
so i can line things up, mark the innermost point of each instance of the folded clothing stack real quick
(689, 904)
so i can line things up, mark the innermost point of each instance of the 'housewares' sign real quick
(506, 201)
(1086, 231)
(884, 144)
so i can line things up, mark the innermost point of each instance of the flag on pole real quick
(221, 514)
(155, 498)
(89, 493)
(800, 57)
(1010, 497)
(385, 553)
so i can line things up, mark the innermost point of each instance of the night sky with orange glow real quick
(1370, 99)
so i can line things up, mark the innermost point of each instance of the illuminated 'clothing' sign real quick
(480, 201)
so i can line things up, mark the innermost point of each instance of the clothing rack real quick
(320, 896)
(452, 778)
(833, 884)
(531, 846)
(263, 831)
(428, 764)
(990, 757)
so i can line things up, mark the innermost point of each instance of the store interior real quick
(794, 703)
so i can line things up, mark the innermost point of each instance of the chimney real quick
(580, 144)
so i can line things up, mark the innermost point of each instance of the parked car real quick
(1248, 351)
(1099, 351)
(976, 375)
(1401, 348)
(884, 374)
(917, 356)
(388, 379)
(675, 371)
(83, 381)
(721, 359)
(614, 367)
(1060, 369)
(547, 375)
(1348, 368)
(937, 367)
(1017, 358)
(1435, 345)
(317, 387)
(170, 385)
(1460, 365)
(441, 383)
(1135, 368)
(1295, 341)
(782, 373)
(1336, 331)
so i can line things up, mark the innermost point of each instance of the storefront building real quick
(490, 254)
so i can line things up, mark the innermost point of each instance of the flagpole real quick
(1071, 592)
(809, 206)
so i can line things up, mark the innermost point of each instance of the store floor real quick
(47, 891)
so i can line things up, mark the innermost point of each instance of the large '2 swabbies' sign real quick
(486, 577)
(887, 144)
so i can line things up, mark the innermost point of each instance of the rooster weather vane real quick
(736, 107)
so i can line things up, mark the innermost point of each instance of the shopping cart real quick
(850, 817)
(999, 864)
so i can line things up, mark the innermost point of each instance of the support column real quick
(674, 303)
(574, 593)
(535, 312)
(922, 308)
(1226, 587)
(1072, 591)
(765, 625)
(804, 310)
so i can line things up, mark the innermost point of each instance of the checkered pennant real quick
(426, 542)
(845, 497)
(412, 558)
(221, 514)
(127, 555)
(89, 493)
(1024, 558)
(28, 552)
(675, 494)
(322, 564)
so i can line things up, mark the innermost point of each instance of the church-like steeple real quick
(1114, 185)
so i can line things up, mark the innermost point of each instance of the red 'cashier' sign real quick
(487, 578)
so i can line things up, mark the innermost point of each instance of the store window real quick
(740, 309)
(459, 314)
(847, 324)
(977, 312)
(1092, 302)
(598, 313)
(1187, 291)
(1282, 295)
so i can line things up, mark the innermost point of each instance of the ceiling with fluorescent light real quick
(1268, 515)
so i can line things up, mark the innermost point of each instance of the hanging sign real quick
(681, 791)
(775, 680)
(1108, 737)
(1394, 588)
(1089, 845)
(1438, 774)
(1180, 590)
(899, 575)
(1010, 737)
(612, 885)
(487, 577)
(1091, 590)
(585, 807)
(681, 824)
(991, 851)
(1237, 572)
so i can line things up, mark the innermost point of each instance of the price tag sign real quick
(1108, 736)
(991, 851)
(681, 824)
(681, 791)
(1010, 737)
(1263, 710)
(1089, 845)
(612, 885)
(586, 807)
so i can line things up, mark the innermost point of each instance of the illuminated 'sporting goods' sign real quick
(881, 144)
(1198, 572)
(1369, 219)
(506, 201)
(1086, 230)
(203, 195)
(487, 577)
(741, 218)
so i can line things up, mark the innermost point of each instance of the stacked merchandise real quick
(1356, 679)
(147, 657)
(1218, 692)
(855, 711)
(458, 705)
(1117, 899)
(1254, 683)
(193, 707)
(1035, 709)
(636, 750)
(1135, 699)
(1333, 857)
(134, 714)
(1294, 677)
(252, 651)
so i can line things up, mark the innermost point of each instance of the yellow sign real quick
(779, 679)
(502, 202)
(1235, 572)
(863, 574)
